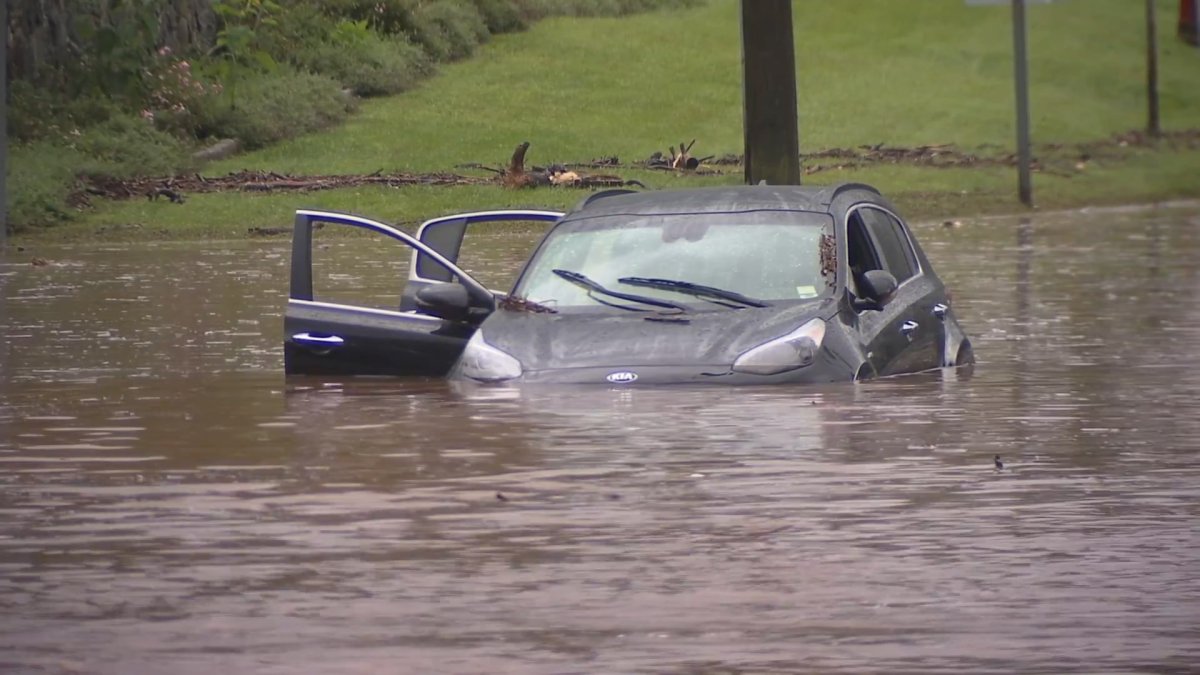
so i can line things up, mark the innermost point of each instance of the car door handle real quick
(909, 327)
(318, 340)
(939, 310)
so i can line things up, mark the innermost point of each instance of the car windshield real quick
(761, 256)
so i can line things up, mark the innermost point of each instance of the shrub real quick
(369, 64)
(304, 23)
(41, 176)
(40, 113)
(449, 29)
(501, 16)
(390, 17)
(44, 172)
(176, 94)
(125, 146)
(31, 111)
(265, 109)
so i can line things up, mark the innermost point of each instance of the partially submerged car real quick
(734, 285)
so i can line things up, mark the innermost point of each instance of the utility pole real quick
(1152, 124)
(772, 135)
(1021, 66)
(4, 126)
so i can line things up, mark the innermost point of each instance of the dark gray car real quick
(737, 285)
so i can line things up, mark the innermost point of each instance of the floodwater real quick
(170, 504)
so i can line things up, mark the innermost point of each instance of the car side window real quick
(362, 270)
(860, 252)
(894, 250)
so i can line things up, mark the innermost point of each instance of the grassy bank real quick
(130, 90)
(870, 72)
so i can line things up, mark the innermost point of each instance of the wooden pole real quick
(1021, 66)
(772, 135)
(1152, 122)
(4, 125)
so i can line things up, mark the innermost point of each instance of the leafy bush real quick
(390, 17)
(306, 23)
(45, 172)
(501, 16)
(438, 27)
(449, 29)
(369, 64)
(176, 94)
(266, 109)
(40, 113)
(124, 146)
(38, 191)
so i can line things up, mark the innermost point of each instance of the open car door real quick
(331, 338)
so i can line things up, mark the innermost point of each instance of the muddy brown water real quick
(169, 503)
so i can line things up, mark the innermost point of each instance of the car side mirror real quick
(448, 301)
(876, 287)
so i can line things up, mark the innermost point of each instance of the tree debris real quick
(515, 175)
(250, 181)
(828, 250)
(267, 231)
(517, 303)
(165, 191)
(683, 161)
(1058, 159)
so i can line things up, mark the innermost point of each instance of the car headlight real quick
(794, 350)
(483, 362)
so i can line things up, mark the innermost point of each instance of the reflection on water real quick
(168, 503)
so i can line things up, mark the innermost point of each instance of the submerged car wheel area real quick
(737, 285)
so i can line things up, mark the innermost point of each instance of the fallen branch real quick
(255, 181)
(515, 176)
(1060, 159)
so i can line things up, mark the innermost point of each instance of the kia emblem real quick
(622, 377)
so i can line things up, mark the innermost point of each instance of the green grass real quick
(870, 71)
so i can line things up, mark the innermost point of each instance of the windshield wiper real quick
(594, 287)
(710, 293)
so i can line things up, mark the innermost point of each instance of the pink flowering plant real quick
(176, 93)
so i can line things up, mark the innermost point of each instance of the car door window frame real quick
(872, 239)
(429, 230)
(301, 287)
(432, 233)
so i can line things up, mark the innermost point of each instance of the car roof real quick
(724, 199)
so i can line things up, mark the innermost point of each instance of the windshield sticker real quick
(806, 291)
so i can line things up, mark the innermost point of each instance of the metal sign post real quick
(1021, 72)
(1021, 67)
(1152, 124)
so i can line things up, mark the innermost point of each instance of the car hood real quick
(628, 339)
